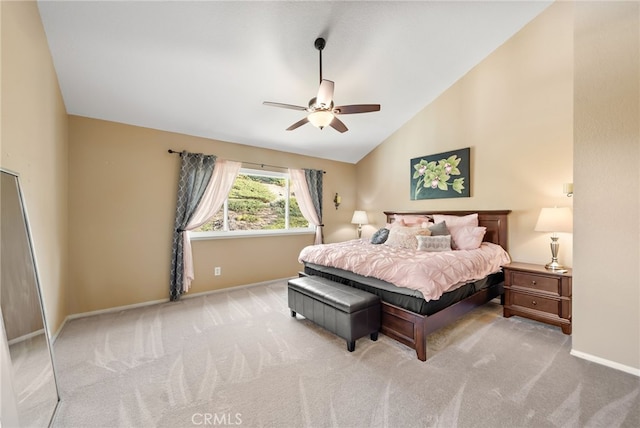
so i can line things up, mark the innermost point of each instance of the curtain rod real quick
(262, 165)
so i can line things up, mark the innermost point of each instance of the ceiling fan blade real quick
(298, 124)
(338, 125)
(325, 94)
(281, 105)
(356, 108)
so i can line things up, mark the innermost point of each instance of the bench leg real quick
(374, 336)
(351, 345)
(293, 313)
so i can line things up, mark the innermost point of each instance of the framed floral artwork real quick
(443, 175)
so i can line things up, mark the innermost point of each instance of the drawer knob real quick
(534, 302)
(533, 283)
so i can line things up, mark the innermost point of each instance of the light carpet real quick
(237, 358)
(33, 382)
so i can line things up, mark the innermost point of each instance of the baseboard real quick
(26, 337)
(155, 302)
(56, 333)
(604, 362)
(103, 311)
(237, 287)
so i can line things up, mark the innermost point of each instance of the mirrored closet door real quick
(32, 384)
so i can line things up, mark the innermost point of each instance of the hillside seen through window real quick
(259, 200)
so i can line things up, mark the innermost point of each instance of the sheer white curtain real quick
(224, 174)
(303, 196)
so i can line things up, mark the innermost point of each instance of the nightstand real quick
(533, 292)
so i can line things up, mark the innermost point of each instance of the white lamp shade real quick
(360, 217)
(555, 220)
(320, 118)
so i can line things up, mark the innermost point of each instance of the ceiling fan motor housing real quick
(313, 105)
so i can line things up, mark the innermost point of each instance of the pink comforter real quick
(431, 273)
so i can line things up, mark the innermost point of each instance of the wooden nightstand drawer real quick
(536, 282)
(533, 292)
(537, 303)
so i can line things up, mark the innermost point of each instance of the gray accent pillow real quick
(439, 229)
(380, 237)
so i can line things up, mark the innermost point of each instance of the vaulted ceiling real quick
(205, 68)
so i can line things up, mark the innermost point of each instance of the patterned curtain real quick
(314, 183)
(307, 185)
(195, 174)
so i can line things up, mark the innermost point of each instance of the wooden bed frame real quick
(411, 328)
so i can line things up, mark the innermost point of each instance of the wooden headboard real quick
(495, 221)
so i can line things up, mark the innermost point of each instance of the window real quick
(260, 203)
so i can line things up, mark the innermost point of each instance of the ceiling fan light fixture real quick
(320, 118)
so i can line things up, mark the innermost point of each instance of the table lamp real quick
(359, 218)
(554, 220)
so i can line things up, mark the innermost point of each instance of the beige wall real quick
(34, 144)
(122, 206)
(514, 110)
(607, 164)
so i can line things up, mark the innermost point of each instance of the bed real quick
(406, 316)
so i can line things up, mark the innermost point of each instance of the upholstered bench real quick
(348, 312)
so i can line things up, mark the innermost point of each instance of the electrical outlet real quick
(217, 271)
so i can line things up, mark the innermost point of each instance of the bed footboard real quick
(406, 327)
(412, 329)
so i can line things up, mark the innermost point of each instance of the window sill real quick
(199, 236)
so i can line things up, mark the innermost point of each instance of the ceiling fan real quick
(321, 109)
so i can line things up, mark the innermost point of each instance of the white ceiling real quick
(204, 68)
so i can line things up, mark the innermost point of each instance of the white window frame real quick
(226, 233)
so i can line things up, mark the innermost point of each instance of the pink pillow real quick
(396, 223)
(401, 223)
(412, 220)
(467, 237)
(455, 220)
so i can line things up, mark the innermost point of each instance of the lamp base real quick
(553, 266)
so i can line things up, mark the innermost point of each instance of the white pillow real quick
(405, 237)
(434, 243)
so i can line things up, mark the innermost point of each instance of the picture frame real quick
(441, 175)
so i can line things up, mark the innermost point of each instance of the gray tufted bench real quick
(348, 312)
